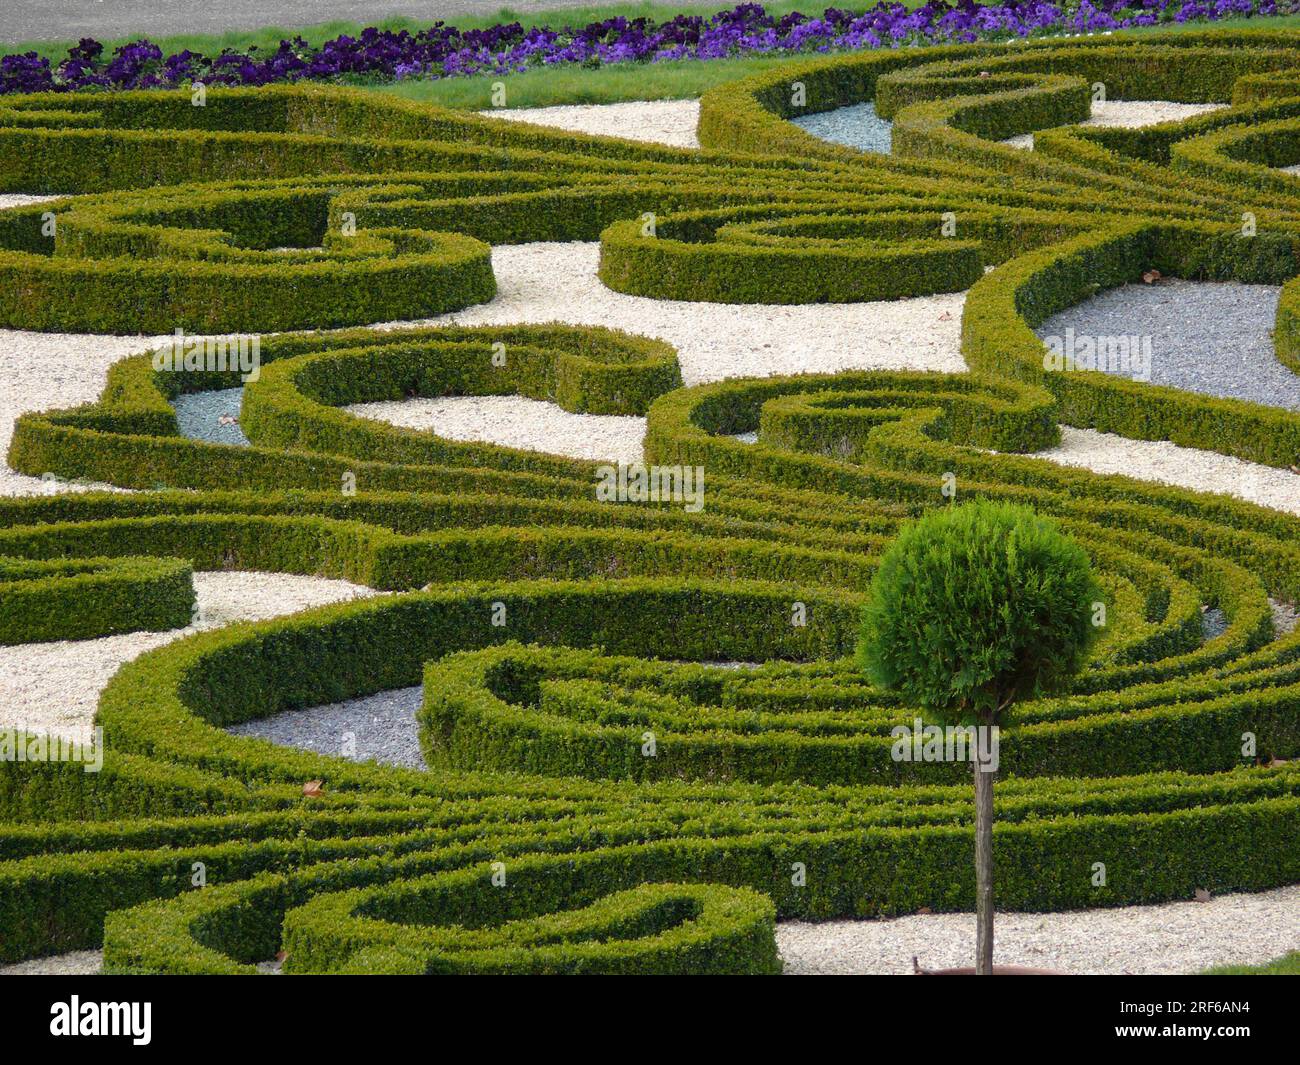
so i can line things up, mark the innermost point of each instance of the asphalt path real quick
(44, 20)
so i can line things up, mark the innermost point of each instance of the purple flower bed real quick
(444, 51)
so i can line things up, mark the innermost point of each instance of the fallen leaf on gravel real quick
(281, 956)
(1151, 276)
(1202, 895)
(313, 789)
(946, 316)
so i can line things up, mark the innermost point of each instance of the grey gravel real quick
(211, 416)
(857, 126)
(1208, 337)
(1213, 622)
(1285, 616)
(382, 728)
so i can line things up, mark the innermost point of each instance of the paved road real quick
(35, 20)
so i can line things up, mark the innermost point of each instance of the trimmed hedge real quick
(705, 256)
(1286, 335)
(82, 598)
(545, 838)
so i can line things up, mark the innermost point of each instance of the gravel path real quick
(552, 282)
(1207, 337)
(660, 121)
(380, 728)
(1176, 937)
(1159, 460)
(54, 687)
(514, 421)
(40, 371)
(1130, 114)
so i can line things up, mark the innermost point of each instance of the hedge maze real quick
(542, 838)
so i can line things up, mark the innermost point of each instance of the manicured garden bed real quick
(552, 629)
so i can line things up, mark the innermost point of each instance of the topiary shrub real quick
(972, 608)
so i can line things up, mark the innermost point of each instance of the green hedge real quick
(774, 790)
(82, 598)
(695, 256)
(1286, 335)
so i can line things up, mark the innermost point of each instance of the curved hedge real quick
(81, 598)
(615, 786)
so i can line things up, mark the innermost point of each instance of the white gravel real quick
(54, 687)
(1168, 939)
(1130, 114)
(41, 371)
(1159, 460)
(515, 421)
(74, 963)
(672, 122)
(1175, 937)
(18, 199)
(551, 282)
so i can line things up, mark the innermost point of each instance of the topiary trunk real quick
(983, 870)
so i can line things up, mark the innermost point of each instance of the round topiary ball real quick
(977, 606)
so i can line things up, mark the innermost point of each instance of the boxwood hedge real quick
(603, 795)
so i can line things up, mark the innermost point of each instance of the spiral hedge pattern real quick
(603, 796)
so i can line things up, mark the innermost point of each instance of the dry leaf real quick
(946, 316)
(227, 419)
(1277, 761)
(985, 74)
(281, 956)
(313, 789)
(925, 909)
(1151, 276)
(1202, 895)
